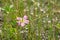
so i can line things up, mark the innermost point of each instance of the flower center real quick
(22, 20)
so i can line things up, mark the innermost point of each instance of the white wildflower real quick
(35, 8)
(38, 4)
(49, 21)
(32, 13)
(21, 31)
(11, 6)
(0, 31)
(33, 0)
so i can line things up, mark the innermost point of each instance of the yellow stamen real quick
(22, 20)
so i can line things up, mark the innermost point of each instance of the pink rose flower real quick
(22, 21)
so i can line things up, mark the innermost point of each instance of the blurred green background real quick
(44, 17)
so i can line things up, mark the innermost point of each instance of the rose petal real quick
(18, 22)
(25, 17)
(19, 18)
(26, 21)
(22, 24)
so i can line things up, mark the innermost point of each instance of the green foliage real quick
(43, 16)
